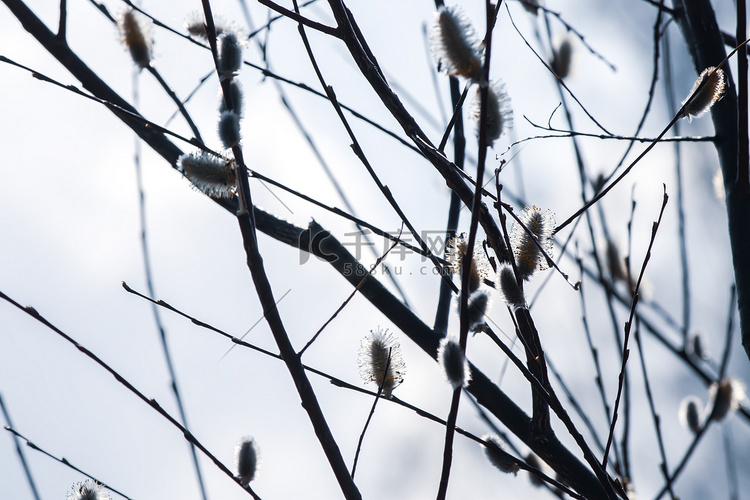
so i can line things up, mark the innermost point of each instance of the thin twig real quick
(582, 414)
(628, 326)
(657, 33)
(246, 219)
(383, 379)
(577, 33)
(346, 301)
(663, 466)
(361, 155)
(467, 260)
(317, 153)
(271, 20)
(455, 117)
(192, 93)
(685, 269)
(594, 352)
(267, 73)
(731, 463)
(17, 435)
(679, 115)
(150, 402)
(549, 68)
(193, 127)
(345, 385)
(131, 114)
(566, 134)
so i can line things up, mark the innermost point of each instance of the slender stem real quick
(456, 117)
(657, 33)
(370, 70)
(383, 379)
(361, 155)
(664, 466)
(329, 173)
(468, 257)
(446, 294)
(594, 352)
(731, 463)
(448, 446)
(176, 100)
(454, 209)
(549, 68)
(246, 220)
(567, 133)
(669, 89)
(628, 327)
(349, 298)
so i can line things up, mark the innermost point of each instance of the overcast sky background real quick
(70, 233)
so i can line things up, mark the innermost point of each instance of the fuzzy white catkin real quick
(509, 289)
(726, 397)
(529, 256)
(229, 129)
(212, 175)
(455, 254)
(236, 95)
(453, 363)
(88, 490)
(708, 95)
(690, 412)
(479, 302)
(380, 360)
(195, 26)
(535, 462)
(563, 56)
(246, 460)
(499, 112)
(230, 55)
(497, 456)
(454, 43)
(135, 33)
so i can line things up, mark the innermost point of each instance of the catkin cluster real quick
(458, 52)
(229, 62)
(216, 176)
(531, 240)
(479, 298)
